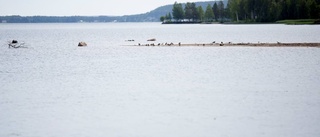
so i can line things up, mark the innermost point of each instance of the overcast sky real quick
(81, 7)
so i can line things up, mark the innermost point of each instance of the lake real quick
(54, 88)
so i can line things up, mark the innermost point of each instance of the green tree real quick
(177, 11)
(274, 11)
(195, 14)
(188, 11)
(313, 9)
(284, 10)
(250, 9)
(291, 4)
(162, 18)
(209, 16)
(242, 10)
(200, 13)
(302, 9)
(191, 11)
(169, 17)
(215, 11)
(221, 11)
(234, 9)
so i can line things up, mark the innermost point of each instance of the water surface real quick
(53, 88)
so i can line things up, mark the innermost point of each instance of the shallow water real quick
(53, 88)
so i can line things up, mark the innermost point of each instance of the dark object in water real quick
(221, 44)
(151, 39)
(14, 41)
(81, 44)
(15, 44)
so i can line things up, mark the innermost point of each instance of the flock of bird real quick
(178, 44)
(16, 44)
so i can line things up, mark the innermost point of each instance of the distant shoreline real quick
(235, 44)
(287, 22)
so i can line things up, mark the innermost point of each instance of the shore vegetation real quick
(299, 21)
(247, 11)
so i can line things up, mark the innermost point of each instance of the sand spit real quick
(229, 44)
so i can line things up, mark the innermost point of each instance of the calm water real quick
(55, 89)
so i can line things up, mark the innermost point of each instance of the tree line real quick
(193, 13)
(245, 11)
(273, 10)
(55, 19)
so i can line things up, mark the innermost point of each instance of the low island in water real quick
(230, 44)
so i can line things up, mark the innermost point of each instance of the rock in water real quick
(14, 41)
(152, 39)
(81, 44)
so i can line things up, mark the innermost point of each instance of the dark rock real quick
(81, 44)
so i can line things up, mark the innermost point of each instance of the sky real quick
(81, 7)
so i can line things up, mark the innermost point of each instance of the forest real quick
(193, 13)
(273, 10)
(245, 11)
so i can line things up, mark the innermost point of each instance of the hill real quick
(154, 15)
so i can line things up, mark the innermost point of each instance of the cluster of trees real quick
(193, 13)
(246, 10)
(273, 10)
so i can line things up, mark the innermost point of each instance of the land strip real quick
(235, 44)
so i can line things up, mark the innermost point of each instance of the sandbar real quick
(234, 44)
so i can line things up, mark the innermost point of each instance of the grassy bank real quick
(299, 22)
